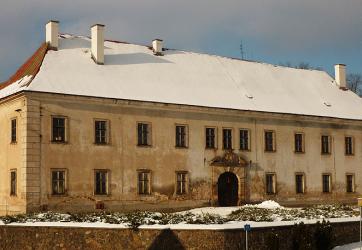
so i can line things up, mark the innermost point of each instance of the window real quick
(101, 132)
(144, 134)
(299, 183)
(269, 141)
(350, 183)
(58, 182)
(144, 187)
(270, 183)
(101, 182)
(210, 137)
(326, 178)
(181, 183)
(13, 131)
(298, 142)
(13, 182)
(181, 136)
(58, 129)
(325, 141)
(348, 145)
(227, 138)
(244, 139)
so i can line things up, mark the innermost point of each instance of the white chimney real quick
(157, 46)
(340, 75)
(51, 34)
(97, 31)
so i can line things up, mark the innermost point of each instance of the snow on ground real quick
(352, 246)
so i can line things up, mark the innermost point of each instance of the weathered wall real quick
(27, 237)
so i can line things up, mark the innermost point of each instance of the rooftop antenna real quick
(241, 49)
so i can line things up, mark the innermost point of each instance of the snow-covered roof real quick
(132, 72)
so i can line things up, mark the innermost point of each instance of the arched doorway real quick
(227, 189)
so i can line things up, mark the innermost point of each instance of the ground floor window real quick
(101, 182)
(144, 177)
(350, 183)
(299, 183)
(13, 182)
(58, 182)
(326, 179)
(181, 183)
(270, 183)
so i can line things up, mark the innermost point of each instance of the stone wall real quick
(27, 237)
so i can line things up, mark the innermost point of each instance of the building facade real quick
(64, 149)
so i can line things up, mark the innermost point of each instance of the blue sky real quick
(320, 32)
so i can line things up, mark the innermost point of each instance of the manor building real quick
(88, 123)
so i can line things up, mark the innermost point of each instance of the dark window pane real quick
(227, 138)
(326, 183)
(348, 145)
(143, 183)
(13, 130)
(181, 136)
(58, 129)
(244, 139)
(269, 143)
(181, 183)
(143, 134)
(270, 184)
(350, 184)
(325, 144)
(13, 183)
(101, 182)
(299, 183)
(100, 132)
(298, 139)
(210, 138)
(58, 182)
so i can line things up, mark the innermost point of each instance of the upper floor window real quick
(101, 131)
(270, 183)
(58, 182)
(269, 138)
(58, 129)
(13, 130)
(13, 182)
(299, 183)
(325, 143)
(326, 182)
(181, 136)
(143, 134)
(210, 137)
(101, 182)
(181, 183)
(350, 183)
(227, 138)
(348, 145)
(299, 142)
(244, 139)
(144, 182)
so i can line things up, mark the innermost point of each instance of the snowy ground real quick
(265, 214)
(352, 246)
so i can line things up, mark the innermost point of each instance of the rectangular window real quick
(325, 142)
(13, 130)
(143, 134)
(181, 185)
(270, 183)
(210, 137)
(101, 132)
(326, 178)
(144, 186)
(269, 138)
(58, 129)
(181, 136)
(348, 145)
(227, 138)
(244, 139)
(298, 142)
(58, 182)
(350, 183)
(13, 182)
(101, 182)
(299, 183)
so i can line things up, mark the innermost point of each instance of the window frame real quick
(266, 149)
(13, 187)
(346, 152)
(148, 134)
(231, 138)
(14, 132)
(184, 188)
(185, 140)
(65, 181)
(214, 138)
(329, 183)
(296, 149)
(149, 181)
(248, 146)
(303, 183)
(353, 187)
(107, 184)
(274, 183)
(329, 151)
(107, 131)
(65, 140)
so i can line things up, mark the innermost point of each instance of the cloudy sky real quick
(320, 32)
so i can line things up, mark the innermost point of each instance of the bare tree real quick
(354, 82)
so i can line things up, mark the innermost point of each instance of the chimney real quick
(51, 34)
(97, 32)
(340, 75)
(157, 46)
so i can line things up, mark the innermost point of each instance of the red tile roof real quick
(30, 67)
